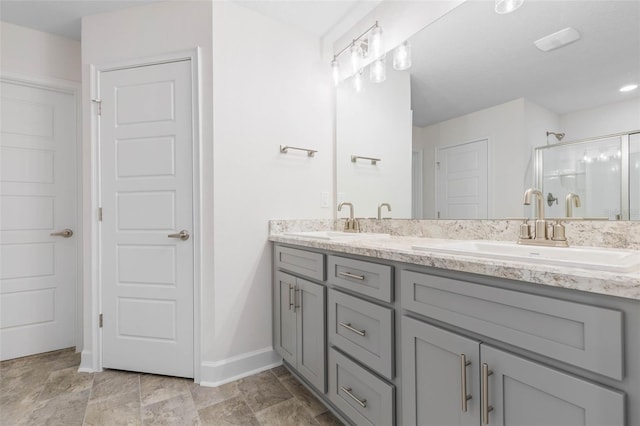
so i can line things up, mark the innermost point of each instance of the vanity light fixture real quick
(357, 54)
(507, 6)
(378, 70)
(628, 87)
(376, 49)
(335, 71)
(402, 57)
(357, 81)
(558, 39)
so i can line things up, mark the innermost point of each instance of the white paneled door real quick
(146, 162)
(37, 199)
(462, 190)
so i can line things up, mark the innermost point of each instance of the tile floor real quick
(46, 389)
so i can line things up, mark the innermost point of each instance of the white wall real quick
(263, 84)
(271, 87)
(375, 122)
(605, 120)
(504, 127)
(32, 53)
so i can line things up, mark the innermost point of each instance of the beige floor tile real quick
(122, 409)
(66, 409)
(304, 396)
(177, 411)
(287, 413)
(65, 381)
(233, 411)
(328, 419)
(263, 390)
(205, 396)
(281, 372)
(110, 383)
(158, 388)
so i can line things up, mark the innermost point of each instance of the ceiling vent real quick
(557, 39)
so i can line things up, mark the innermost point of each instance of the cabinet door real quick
(285, 317)
(434, 377)
(523, 392)
(311, 333)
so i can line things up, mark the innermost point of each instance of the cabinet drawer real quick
(302, 262)
(370, 279)
(582, 335)
(364, 398)
(363, 330)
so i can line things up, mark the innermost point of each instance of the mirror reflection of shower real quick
(558, 136)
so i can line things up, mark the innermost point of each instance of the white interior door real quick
(146, 161)
(462, 181)
(37, 198)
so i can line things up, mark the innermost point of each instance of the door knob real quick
(66, 233)
(183, 235)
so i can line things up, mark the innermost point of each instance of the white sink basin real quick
(335, 235)
(613, 260)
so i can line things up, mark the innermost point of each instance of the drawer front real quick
(301, 262)
(362, 329)
(370, 279)
(364, 398)
(582, 335)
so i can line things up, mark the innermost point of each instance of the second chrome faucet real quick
(544, 234)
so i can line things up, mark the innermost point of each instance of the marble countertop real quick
(399, 249)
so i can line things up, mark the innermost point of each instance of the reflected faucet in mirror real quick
(387, 205)
(351, 225)
(570, 200)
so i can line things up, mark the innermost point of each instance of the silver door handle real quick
(355, 330)
(183, 235)
(350, 275)
(66, 233)
(486, 408)
(463, 381)
(361, 402)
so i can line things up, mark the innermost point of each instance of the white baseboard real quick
(86, 362)
(218, 373)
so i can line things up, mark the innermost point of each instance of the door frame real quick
(437, 150)
(92, 354)
(74, 89)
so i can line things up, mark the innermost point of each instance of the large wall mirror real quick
(462, 135)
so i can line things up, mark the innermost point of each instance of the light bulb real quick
(356, 57)
(378, 70)
(375, 42)
(335, 71)
(402, 57)
(357, 81)
(507, 6)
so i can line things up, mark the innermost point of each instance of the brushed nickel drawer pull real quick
(355, 330)
(486, 408)
(295, 298)
(290, 302)
(463, 378)
(350, 275)
(66, 233)
(362, 402)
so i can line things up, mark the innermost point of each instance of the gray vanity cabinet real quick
(454, 380)
(300, 326)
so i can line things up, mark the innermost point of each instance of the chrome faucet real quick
(571, 200)
(351, 225)
(544, 234)
(387, 205)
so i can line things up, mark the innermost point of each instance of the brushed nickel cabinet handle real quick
(463, 381)
(290, 302)
(355, 330)
(486, 408)
(65, 233)
(183, 235)
(350, 275)
(362, 402)
(296, 291)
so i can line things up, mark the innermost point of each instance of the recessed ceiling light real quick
(557, 39)
(628, 87)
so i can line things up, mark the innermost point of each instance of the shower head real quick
(558, 136)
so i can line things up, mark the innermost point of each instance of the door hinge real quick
(438, 215)
(438, 165)
(99, 102)
(100, 320)
(99, 214)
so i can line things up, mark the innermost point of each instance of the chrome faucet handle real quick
(525, 230)
(559, 231)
